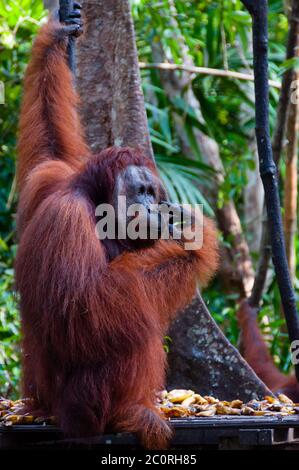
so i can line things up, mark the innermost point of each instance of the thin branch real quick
(277, 146)
(204, 71)
(249, 4)
(262, 265)
(268, 168)
(12, 193)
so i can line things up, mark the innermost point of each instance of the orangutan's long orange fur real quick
(93, 329)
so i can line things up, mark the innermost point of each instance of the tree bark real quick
(201, 358)
(109, 85)
(108, 78)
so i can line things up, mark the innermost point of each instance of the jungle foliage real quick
(215, 34)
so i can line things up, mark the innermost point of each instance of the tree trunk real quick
(202, 359)
(108, 78)
(291, 182)
(291, 178)
(113, 113)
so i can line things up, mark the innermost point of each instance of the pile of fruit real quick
(14, 412)
(186, 403)
(173, 404)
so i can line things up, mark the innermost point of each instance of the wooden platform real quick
(221, 432)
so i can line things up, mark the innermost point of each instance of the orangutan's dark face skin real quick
(140, 186)
(136, 185)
